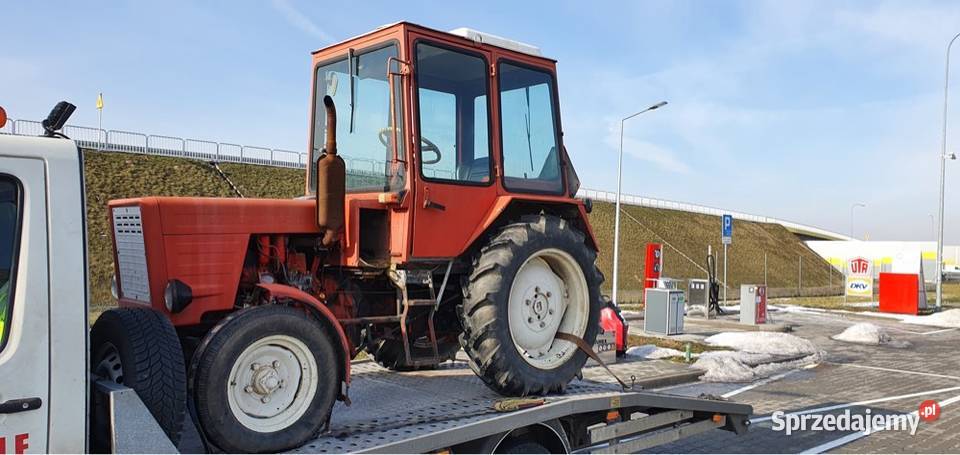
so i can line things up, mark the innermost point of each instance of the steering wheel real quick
(426, 145)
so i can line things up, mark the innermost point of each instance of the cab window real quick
(531, 156)
(10, 204)
(453, 115)
(360, 90)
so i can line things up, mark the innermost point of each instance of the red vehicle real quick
(439, 214)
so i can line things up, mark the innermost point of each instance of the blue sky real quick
(792, 109)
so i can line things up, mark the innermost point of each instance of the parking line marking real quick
(860, 403)
(759, 383)
(894, 370)
(855, 436)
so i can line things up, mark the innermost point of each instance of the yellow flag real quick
(100, 101)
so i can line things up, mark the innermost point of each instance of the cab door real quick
(24, 307)
(454, 156)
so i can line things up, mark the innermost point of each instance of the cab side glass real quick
(10, 205)
(531, 157)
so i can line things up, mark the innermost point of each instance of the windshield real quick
(364, 137)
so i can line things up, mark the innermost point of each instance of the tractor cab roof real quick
(467, 36)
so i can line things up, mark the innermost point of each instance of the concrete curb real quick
(667, 380)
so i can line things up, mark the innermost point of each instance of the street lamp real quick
(853, 206)
(616, 223)
(943, 165)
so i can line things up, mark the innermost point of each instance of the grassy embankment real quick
(118, 175)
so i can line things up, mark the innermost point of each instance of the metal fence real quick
(630, 199)
(151, 144)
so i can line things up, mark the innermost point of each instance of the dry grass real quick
(690, 233)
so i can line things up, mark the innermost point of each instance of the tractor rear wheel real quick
(389, 353)
(265, 379)
(534, 278)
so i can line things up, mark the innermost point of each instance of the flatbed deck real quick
(423, 411)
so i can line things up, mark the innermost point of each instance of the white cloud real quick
(301, 21)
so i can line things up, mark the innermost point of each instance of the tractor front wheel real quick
(532, 280)
(265, 379)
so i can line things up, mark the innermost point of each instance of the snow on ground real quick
(949, 318)
(757, 355)
(867, 333)
(777, 343)
(653, 352)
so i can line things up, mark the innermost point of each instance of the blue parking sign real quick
(726, 231)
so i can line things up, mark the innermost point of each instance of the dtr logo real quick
(859, 266)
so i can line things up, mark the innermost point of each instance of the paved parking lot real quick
(884, 379)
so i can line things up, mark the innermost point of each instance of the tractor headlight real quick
(177, 295)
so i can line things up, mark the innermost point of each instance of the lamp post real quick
(943, 164)
(616, 223)
(853, 206)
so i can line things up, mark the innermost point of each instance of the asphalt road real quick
(885, 380)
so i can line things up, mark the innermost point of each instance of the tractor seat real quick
(477, 171)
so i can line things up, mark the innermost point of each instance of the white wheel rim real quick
(549, 294)
(272, 383)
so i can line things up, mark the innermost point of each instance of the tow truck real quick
(125, 388)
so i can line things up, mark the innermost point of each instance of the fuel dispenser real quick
(753, 304)
(652, 267)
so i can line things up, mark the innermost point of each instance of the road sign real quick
(726, 231)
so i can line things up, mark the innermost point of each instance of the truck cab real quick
(43, 297)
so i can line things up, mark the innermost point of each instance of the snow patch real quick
(777, 343)
(949, 318)
(867, 333)
(758, 355)
(653, 352)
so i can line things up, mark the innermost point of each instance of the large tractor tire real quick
(139, 348)
(389, 353)
(265, 379)
(533, 279)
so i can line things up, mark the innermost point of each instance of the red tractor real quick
(439, 214)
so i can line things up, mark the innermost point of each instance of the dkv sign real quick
(859, 281)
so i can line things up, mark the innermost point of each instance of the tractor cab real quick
(440, 133)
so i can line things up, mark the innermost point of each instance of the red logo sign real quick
(929, 411)
(859, 266)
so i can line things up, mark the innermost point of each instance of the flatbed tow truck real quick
(51, 400)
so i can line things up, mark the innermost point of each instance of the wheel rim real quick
(549, 294)
(272, 383)
(109, 365)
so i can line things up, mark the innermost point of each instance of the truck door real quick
(455, 188)
(24, 307)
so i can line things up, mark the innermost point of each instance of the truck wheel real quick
(389, 353)
(533, 279)
(265, 379)
(139, 348)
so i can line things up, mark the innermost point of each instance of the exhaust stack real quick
(331, 181)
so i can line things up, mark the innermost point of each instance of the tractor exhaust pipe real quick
(331, 146)
(331, 182)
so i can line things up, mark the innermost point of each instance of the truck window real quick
(531, 159)
(452, 100)
(10, 204)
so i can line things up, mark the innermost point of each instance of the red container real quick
(899, 293)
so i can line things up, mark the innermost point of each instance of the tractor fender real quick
(502, 203)
(289, 292)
